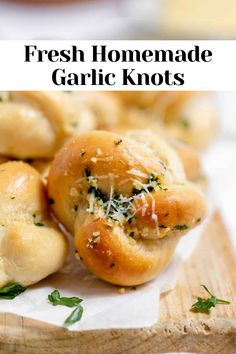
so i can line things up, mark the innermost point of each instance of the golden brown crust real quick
(119, 259)
(124, 204)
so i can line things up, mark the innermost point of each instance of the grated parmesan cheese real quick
(110, 200)
(109, 158)
(91, 201)
(135, 172)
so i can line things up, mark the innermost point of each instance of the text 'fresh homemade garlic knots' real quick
(31, 247)
(126, 204)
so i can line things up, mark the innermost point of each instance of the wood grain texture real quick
(179, 330)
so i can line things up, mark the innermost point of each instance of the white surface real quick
(221, 167)
(104, 306)
(219, 162)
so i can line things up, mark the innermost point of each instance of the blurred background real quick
(113, 19)
(143, 19)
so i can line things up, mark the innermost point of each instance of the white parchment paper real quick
(104, 306)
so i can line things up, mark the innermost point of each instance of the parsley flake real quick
(180, 227)
(38, 224)
(204, 305)
(9, 292)
(185, 123)
(75, 316)
(87, 171)
(56, 299)
(118, 142)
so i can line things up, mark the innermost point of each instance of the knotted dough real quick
(31, 247)
(35, 124)
(126, 206)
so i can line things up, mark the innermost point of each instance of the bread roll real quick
(31, 247)
(183, 115)
(190, 159)
(194, 122)
(35, 124)
(105, 106)
(126, 206)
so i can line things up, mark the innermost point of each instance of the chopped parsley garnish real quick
(180, 227)
(9, 292)
(56, 299)
(118, 142)
(152, 182)
(137, 191)
(204, 305)
(87, 171)
(98, 193)
(163, 165)
(38, 224)
(185, 123)
(74, 124)
(131, 219)
(93, 240)
(152, 178)
(75, 316)
(117, 206)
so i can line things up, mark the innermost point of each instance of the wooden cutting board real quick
(179, 330)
